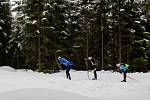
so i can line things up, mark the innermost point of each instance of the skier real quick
(94, 63)
(123, 68)
(68, 66)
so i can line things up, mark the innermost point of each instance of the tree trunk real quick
(102, 44)
(120, 46)
(39, 33)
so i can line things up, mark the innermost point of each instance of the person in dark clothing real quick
(123, 68)
(94, 63)
(68, 74)
(68, 66)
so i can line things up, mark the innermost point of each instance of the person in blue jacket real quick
(68, 66)
(123, 68)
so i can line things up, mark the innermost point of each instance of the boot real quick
(123, 81)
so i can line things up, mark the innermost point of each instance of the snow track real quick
(29, 85)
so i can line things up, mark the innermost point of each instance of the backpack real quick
(126, 66)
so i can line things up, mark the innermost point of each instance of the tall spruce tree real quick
(111, 31)
(5, 32)
(54, 32)
(101, 33)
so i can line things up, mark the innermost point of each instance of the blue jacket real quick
(123, 68)
(65, 62)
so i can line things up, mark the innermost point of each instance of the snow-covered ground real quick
(29, 85)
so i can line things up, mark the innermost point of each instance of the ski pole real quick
(132, 78)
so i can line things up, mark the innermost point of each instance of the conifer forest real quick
(33, 33)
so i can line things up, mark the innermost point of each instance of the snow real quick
(14, 5)
(63, 32)
(52, 27)
(14, 0)
(45, 12)
(73, 1)
(146, 40)
(132, 30)
(0, 28)
(66, 22)
(74, 22)
(35, 94)
(34, 22)
(44, 19)
(29, 85)
(122, 9)
(20, 46)
(7, 68)
(2, 21)
(137, 22)
(4, 34)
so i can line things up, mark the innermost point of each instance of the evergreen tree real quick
(54, 31)
(111, 31)
(139, 61)
(101, 33)
(5, 32)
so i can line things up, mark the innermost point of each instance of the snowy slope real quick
(29, 85)
(41, 94)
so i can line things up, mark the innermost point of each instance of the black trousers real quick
(124, 75)
(95, 74)
(68, 74)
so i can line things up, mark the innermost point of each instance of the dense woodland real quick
(33, 33)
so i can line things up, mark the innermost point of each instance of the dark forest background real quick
(33, 33)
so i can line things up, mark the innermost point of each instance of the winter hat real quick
(89, 58)
(117, 65)
(59, 57)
